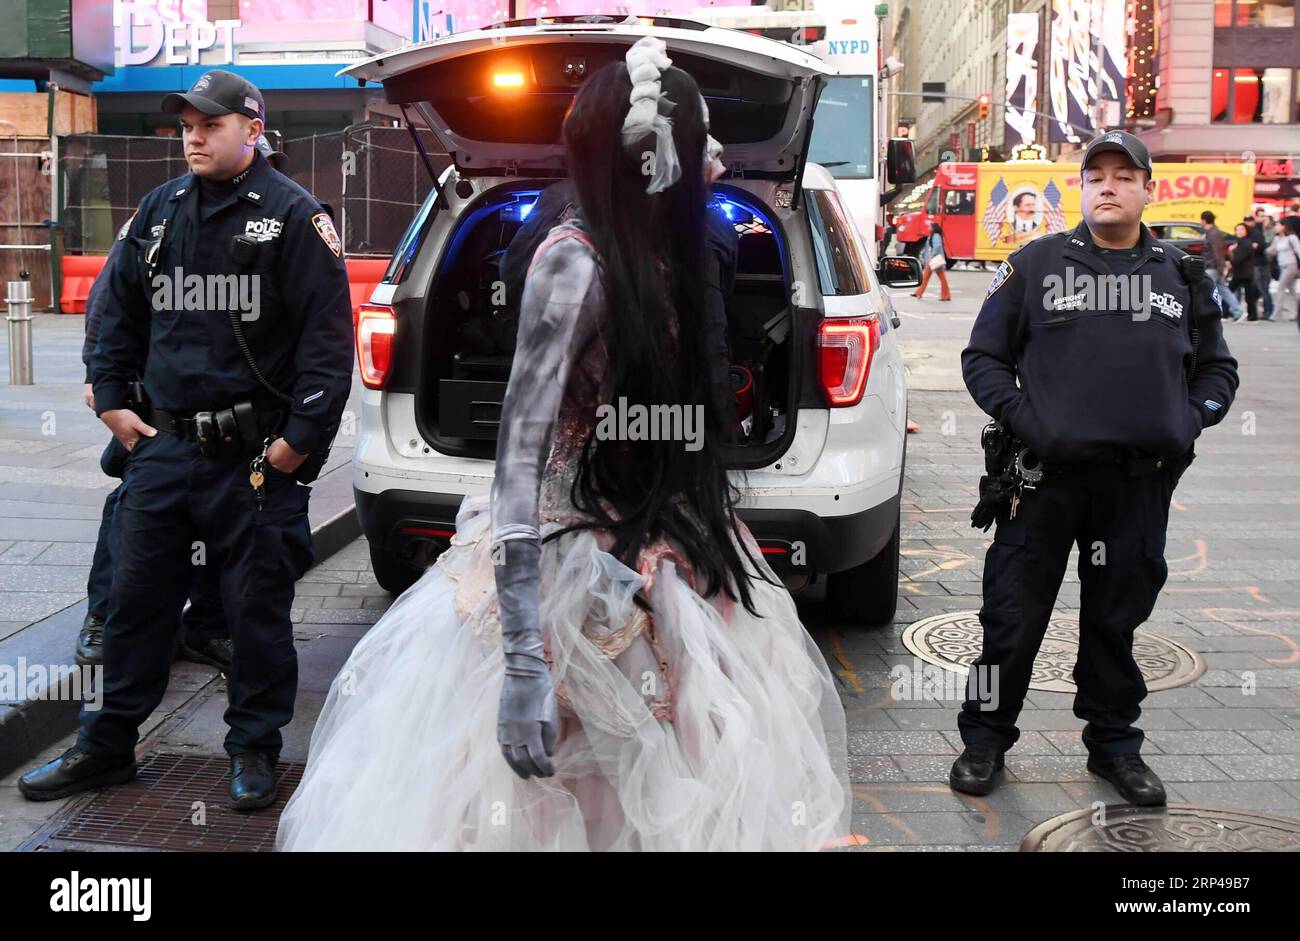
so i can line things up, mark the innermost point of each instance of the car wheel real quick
(867, 594)
(393, 575)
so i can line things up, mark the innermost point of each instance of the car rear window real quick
(409, 246)
(839, 266)
(1181, 232)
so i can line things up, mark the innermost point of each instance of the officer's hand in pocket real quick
(284, 458)
(127, 426)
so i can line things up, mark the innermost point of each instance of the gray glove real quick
(528, 717)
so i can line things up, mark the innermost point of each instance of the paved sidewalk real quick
(51, 501)
(1229, 738)
(51, 487)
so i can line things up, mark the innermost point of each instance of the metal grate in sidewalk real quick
(178, 802)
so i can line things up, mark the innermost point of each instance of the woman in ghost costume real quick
(601, 660)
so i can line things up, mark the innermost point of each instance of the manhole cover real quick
(1178, 828)
(178, 802)
(953, 641)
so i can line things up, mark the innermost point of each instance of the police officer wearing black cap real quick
(1099, 354)
(232, 301)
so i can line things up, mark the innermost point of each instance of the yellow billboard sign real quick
(1015, 203)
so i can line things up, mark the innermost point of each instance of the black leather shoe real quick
(73, 772)
(252, 780)
(973, 771)
(90, 642)
(215, 653)
(1136, 782)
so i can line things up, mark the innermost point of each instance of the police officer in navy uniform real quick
(204, 636)
(232, 301)
(1084, 350)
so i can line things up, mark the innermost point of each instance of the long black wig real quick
(652, 251)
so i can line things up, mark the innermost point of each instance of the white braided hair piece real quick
(646, 61)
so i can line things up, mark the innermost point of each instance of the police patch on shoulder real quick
(126, 227)
(1005, 270)
(325, 229)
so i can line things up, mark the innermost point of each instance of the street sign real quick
(933, 91)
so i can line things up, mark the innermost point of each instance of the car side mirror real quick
(900, 161)
(899, 271)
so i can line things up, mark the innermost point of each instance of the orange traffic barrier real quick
(80, 272)
(363, 275)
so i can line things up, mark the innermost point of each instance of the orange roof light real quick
(508, 79)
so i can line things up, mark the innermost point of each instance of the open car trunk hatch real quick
(496, 98)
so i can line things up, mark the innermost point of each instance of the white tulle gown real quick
(694, 726)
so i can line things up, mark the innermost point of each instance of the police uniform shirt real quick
(293, 303)
(1081, 379)
(1120, 260)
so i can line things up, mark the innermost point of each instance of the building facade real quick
(1229, 88)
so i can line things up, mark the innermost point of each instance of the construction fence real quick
(373, 177)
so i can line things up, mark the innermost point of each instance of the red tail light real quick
(844, 352)
(374, 324)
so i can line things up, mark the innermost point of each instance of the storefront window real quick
(1253, 96)
(1254, 13)
(1275, 97)
(1267, 13)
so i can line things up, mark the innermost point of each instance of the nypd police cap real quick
(218, 92)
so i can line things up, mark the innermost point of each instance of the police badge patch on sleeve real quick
(1000, 276)
(325, 229)
(126, 226)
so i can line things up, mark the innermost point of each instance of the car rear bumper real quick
(407, 524)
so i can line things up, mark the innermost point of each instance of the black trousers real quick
(1118, 522)
(203, 620)
(178, 509)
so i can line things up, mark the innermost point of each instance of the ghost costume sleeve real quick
(561, 301)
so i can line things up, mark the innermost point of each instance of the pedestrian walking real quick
(1245, 255)
(934, 261)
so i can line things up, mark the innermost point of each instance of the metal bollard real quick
(20, 332)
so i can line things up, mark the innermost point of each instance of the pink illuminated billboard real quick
(425, 19)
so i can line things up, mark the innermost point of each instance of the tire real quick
(867, 594)
(393, 575)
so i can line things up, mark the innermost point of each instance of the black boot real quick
(252, 780)
(215, 652)
(73, 772)
(973, 772)
(90, 642)
(1136, 782)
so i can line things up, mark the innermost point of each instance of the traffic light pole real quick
(1089, 132)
